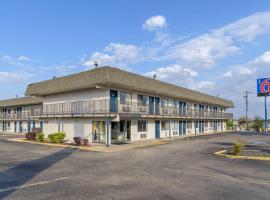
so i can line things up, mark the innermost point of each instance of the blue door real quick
(34, 126)
(180, 108)
(41, 126)
(113, 100)
(156, 105)
(203, 126)
(20, 127)
(184, 127)
(196, 127)
(28, 126)
(157, 129)
(15, 127)
(184, 109)
(151, 105)
(181, 128)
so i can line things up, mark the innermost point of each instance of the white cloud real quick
(115, 54)
(174, 74)
(204, 50)
(204, 85)
(19, 61)
(248, 28)
(155, 23)
(23, 58)
(263, 59)
(13, 77)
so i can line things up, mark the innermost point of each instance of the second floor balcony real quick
(23, 115)
(107, 107)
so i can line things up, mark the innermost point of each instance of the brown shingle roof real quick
(114, 77)
(20, 101)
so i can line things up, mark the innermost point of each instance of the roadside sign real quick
(263, 86)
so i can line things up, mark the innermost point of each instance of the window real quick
(142, 99)
(164, 125)
(173, 103)
(163, 102)
(142, 125)
(189, 125)
(174, 125)
(125, 98)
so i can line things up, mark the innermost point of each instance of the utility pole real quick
(246, 101)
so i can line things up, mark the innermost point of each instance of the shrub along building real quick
(20, 114)
(109, 105)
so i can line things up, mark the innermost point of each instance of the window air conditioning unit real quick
(143, 136)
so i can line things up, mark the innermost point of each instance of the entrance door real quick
(180, 108)
(184, 109)
(156, 105)
(28, 126)
(180, 127)
(157, 129)
(20, 127)
(202, 126)
(128, 130)
(15, 127)
(184, 127)
(151, 105)
(114, 129)
(113, 100)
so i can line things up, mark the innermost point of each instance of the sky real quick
(217, 47)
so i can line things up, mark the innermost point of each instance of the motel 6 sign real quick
(263, 86)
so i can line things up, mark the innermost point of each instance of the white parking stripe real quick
(214, 175)
(32, 184)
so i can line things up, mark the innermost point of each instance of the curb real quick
(91, 148)
(222, 153)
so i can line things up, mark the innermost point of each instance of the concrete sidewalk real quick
(100, 147)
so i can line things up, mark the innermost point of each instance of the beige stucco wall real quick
(72, 127)
(83, 95)
(136, 136)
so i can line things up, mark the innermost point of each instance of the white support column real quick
(108, 132)
(170, 129)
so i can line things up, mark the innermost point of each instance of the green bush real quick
(258, 124)
(40, 137)
(57, 137)
(238, 148)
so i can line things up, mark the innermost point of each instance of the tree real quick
(229, 124)
(242, 120)
(258, 124)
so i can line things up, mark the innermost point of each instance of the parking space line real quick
(214, 175)
(33, 184)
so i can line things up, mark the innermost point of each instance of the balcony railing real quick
(106, 107)
(24, 115)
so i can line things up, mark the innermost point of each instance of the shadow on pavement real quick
(251, 133)
(24, 172)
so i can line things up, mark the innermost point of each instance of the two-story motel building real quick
(110, 105)
(20, 114)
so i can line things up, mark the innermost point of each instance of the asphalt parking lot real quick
(178, 170)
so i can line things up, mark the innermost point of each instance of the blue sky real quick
(218, 47)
